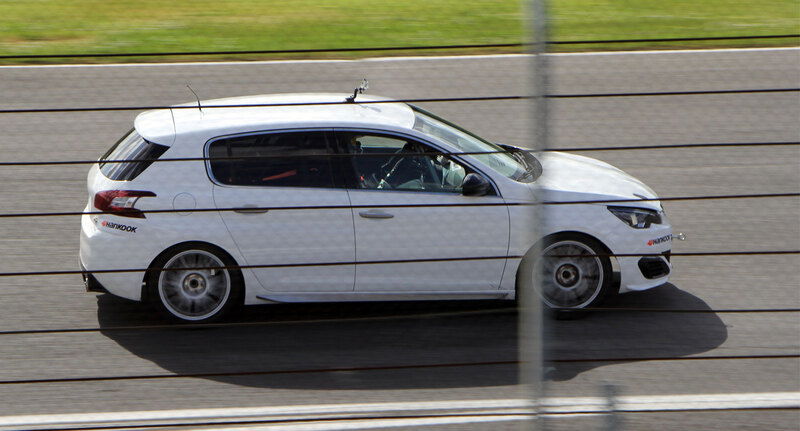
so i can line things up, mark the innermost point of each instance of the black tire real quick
(569, 282)
(195, 296)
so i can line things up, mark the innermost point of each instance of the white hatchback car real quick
(352, 202)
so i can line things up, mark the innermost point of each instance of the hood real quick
(568, 177)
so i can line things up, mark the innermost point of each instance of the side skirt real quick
(384, 296)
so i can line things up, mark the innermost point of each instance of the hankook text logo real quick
(659, 240)
(118, 226)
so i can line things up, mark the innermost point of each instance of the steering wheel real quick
(399, 165)
(390, 165)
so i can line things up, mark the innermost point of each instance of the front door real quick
(285, 169)
(381, 172)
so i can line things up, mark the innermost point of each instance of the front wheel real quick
(574, 272)
(189, 286)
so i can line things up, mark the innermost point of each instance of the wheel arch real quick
(572, 233)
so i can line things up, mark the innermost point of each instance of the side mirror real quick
(475, 185)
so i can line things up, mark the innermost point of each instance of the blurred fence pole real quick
(531, 344)
(612, 422)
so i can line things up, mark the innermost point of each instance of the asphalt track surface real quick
(353, 336)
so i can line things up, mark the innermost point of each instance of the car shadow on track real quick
(407, 345)
(633, 331)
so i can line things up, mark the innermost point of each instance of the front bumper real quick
(646, 259)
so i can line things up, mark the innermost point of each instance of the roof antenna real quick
(360, 89)
(196, 97)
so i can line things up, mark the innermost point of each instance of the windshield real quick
(504, 163)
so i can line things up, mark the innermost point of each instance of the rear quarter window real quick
(129, 157)
(288, 159)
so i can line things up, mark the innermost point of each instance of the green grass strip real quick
(57, 27)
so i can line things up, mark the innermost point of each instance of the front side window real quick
(384, 162)
(286, 159)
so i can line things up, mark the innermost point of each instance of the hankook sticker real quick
(659, 240)
(117, 226)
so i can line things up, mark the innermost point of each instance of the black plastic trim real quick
(653, 267)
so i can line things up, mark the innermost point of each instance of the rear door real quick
(381, 172)
(285, 169)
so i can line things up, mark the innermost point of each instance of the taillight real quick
(121, 202)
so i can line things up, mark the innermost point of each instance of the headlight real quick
(637, 218)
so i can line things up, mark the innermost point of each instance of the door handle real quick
(375, 214)
(250, 209)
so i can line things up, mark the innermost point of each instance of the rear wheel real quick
(188, 288)
(573, 270)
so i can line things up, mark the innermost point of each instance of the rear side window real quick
(133, 147)
(292, 159)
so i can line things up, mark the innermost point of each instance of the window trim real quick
(347, 170)
(338, 183)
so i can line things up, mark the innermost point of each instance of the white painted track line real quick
(466, 411)
(375, 424)
(394, 59)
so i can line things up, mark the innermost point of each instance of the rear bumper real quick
(106, 250)
(90, 282)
